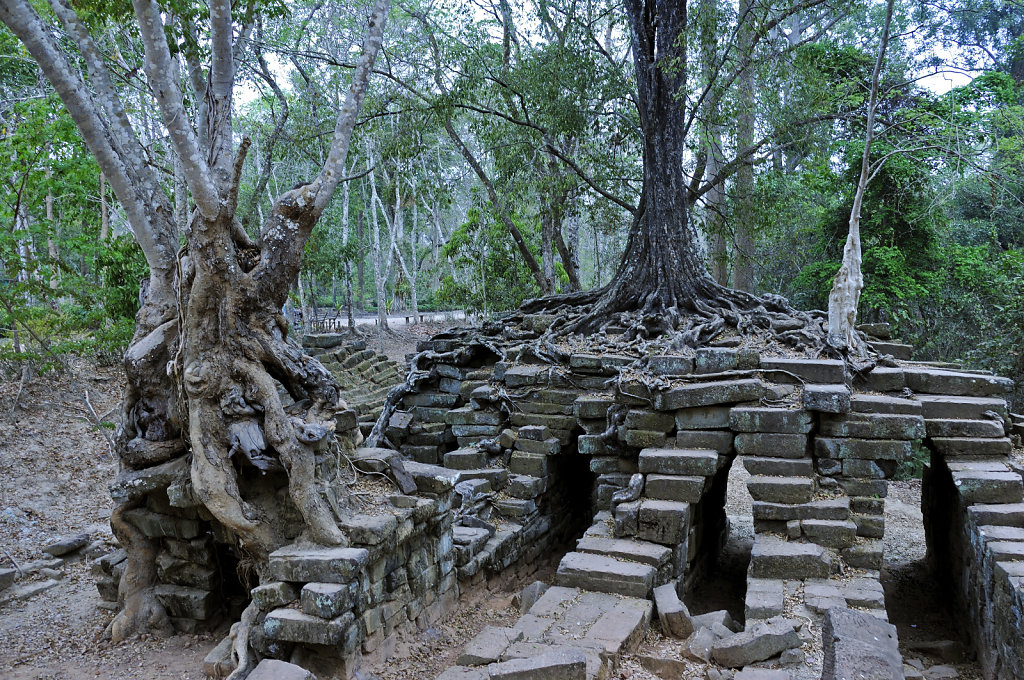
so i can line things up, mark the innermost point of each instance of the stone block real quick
(678, 461)
(188, 603)
(698, 645)
(881, 379)
(971, 446)
(465, 459)
(958, 383)
(1004, 514)
(377, 529)
(702, 418)
(877, 403)
(967, 408)
(273, 595)
(547, 447)
(776, 558)
(827, 398)
(859, 645)
(719, 359)
(643, 552)
(828, 371)
(590, 406)
(316, 564)
(649, 420)
(715, 619)
(687, 489)
(670, 365)
(876, 488)
(644, 438)
(591, 445)
(863, 469)
(761, 641)
(626, 518)
(982, 486)
(715, 440)
(326, 600)
(964, 428)
(292, 625)
(665, 522)
(273, 669)
(672, 613)
(524, 486)
(781, 489)
(709, 394)
(775, 420)
(158, 525)
(532, 464)
(779, 445)
(866, 449)
(872, 426)
(765, 598)
(777, 467)
(605, 574)
(830, 508)
(830, 533)
(865, 554)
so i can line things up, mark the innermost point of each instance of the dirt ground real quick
(55, 467)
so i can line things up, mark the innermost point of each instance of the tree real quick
(211, 310)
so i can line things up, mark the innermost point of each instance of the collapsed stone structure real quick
(500, 460)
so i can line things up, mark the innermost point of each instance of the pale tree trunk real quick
(104, 210)
(849, 280)
(711, 140)
(378, 257)
(412, 251)
(744, 217)
(51, 244)
(211, 314)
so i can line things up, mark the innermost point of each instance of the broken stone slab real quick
(488, 646)
(530, 594)
(463, 673)
(935, 406)
(188, 603)
(131, 484)
(218, 663)
(827, 398)
(672, 613)
(66, 544)
(754, 673)
(621, 628)
(720, 617)
(273, 669)
(664, 522)
(761, 641)
(709, 393)
(376, 529)
(563, 663)
(605, 574)
(698, 646)
(687, 489)
(664, 668)
(859, 645)
(307, 564)
(791, 490)
(26, 590)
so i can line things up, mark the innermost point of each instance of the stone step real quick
(643, 552)
(873, 426)
(955, 427)
(781, 489)
(983, 486)
(829, 532)
(465, 459)
(1002, 514)
(969, 408)
(877, 403)
(605, 574)
(778, 467)
(688, 489)
(775, 420)
(897, 350)
(679, 461)
(773, 557)
(972, 446)
(946, 382)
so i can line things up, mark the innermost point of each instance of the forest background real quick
(498, 158)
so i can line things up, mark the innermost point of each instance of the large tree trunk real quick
(744, 217)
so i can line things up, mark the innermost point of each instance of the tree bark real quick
(849, 280)
(745, 212)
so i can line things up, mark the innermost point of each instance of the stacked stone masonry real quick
(625, 461)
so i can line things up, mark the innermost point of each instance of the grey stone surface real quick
(702, 418)
(877, 403)
(326, 600)
(872, 426)
(715, 440)
(605, 574)
(710, 619)
(790, 490)
(316, 564)
(709, 394)
(859, 646)
(463, 673)
(778, 467)
(777, 445)
(972, 446)
(806, 370)
(291, 625)
(688, 489)
(765, 598)
(698, 646)
(753, 673)
(678, 461)
(776, 558)
(530, 594)
(761, 641)
(827, 398)
(272, 669)
(66, 544)
(865, 449)
(956, 427)
(7, 577)
(776, 420)
(559, 664)
(273, 595)
(643, 552)
(938, 381)
(665, 522)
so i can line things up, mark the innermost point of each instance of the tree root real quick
(241, 652)
(141, 612)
